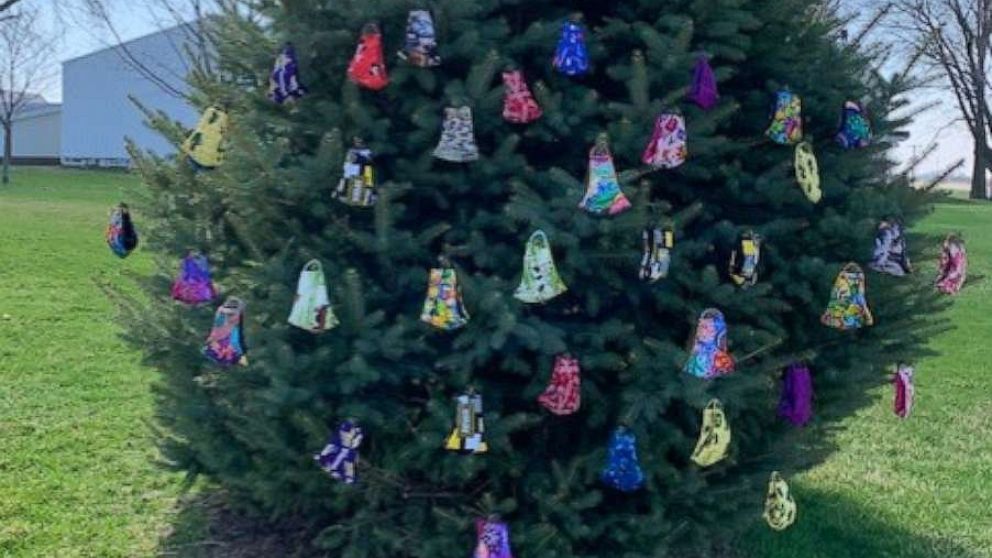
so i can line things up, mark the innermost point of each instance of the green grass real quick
(77, 472)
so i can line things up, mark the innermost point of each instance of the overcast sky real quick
(134, 22)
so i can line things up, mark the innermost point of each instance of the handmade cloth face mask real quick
(703, 91)
(808, 172)
(710, 357)
(953, 265)
(357, 185)
(368, 67)
(796, 402)
(855, 130)
(744, 260)
(443, 307)
(905, 392)
(714, 436)
(469, 433)
(539, 281)
(571, 55)
(120, 233)
(519, 106)
(603, 195)
(657, 257)
(780, 508)
(564, 393)
(667, 147)
(284, 81)
(340, 457)
(312, 308)
(848, 306)
(420, 47)
(493, 539)
(457, 143)
(623, 471)
(891, 255)
(194, 285)
(205, 146)
(226, 342)
(787, 121)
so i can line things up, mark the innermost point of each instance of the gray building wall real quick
(36, 135)
(97, 113)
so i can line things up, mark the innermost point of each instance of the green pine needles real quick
(271, 207)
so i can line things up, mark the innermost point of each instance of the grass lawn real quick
(77, 473)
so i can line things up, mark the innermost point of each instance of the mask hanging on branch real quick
(623, 470)
(493, 539)
(780, 508)
(787, 118)
(469, 433)
(194, 285)
(796, 402)
(744, 260)
(368, 66)
(710, 357)
(539, 281)
(657, 257)
(226, 342)
(120, 234)
(703, 91)
(457, 143)
(667, 147)
(848, 306)
(420, 47)
(443, 307)
(357, 185)
(890, 255)
(564, 393)
(905, 392)
(284, 81)
(519, 106)
(340, 457)
(855, 130)
(205, 146)
(571, 55)
(807, 172)
(312, 307)
(953, 268)
(603, 195)
(714, 436)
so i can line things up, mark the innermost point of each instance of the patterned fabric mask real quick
(340, 457)
(891, 255)
(564, 394)
(519, 106)
(744, 260)
(493, 539)
(953, 265)
(420, 47)
(284, 81)
(205, 146)
(905, 392)
(667, 148)
(468, 436)
(808, 172)
(457, 142)
(368, 67)
(443, 307)
(226, 342)
(603, 195)
(540, 281)
(657, 257)
(194, 285)
(787, 121)
(780, 508)
(714, 436)
(571, 55)
(357, 185)
(848, 306)
(703, 91)
(796, 402)
(710, 357)
(855, 130)
(120, 233)
(312, 307)
(623, 471)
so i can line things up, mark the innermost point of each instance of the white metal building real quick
(36, 131)
(97, 113)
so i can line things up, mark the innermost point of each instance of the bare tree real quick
(955, 38)
(23, 56)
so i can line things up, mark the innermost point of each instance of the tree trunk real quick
(8, 151)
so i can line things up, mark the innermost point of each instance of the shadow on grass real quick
(833, 526)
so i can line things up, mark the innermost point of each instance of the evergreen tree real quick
(268, 209)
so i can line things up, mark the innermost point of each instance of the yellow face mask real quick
(780, 508)
(714, 437)
(807, 172)
(205, 145)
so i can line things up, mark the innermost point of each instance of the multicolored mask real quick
(657, 258)
(891, 255)
(564, 393)
(284, 81)
(368, 66)
(539, 281)
(905, 392)
(205, 146)
(493, 539)
(780, 508)
(953, 268)
(667, 148)
(571, 55)
(623, 470)
(703, 91)
(714, 436)
(457, 143)
(848, 306)
(855, 130)
(603, 195)
(796, 402)
(420, 46)
(808, 172)
(443, 307)
(710, 357)
(340, 457)
(226, 342)
(357, 185)
(787, 119)
(194, 285)
(312, 307)
(744, 260)
(120, 233)
(519, 106)
(468, 435)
